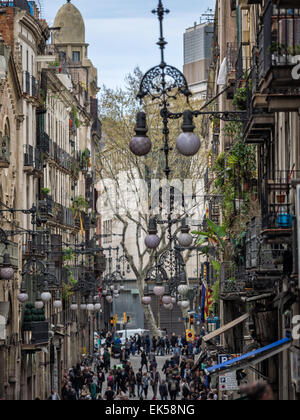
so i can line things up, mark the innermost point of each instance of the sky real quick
(122, 34)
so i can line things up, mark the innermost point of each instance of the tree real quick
(130, 202)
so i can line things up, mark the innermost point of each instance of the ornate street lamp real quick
(83, 305)
(74, 305)
(6, 272)
(185, 239)
(38, 304)
(23, 296)
(57, 302)
(152, 240)
(46, 295)
(90, 306)
(140, 144)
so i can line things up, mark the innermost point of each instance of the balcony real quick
(4, 151)
(232, 281)
(45, 210)
(279, 46)
(263, 259)
(278, 207)
(63, 215)
(35, 334)
(33, 162)
(34, 245)
(62, 158)
(259, 124)
(43, 142)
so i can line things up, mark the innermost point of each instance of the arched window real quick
(4, 146)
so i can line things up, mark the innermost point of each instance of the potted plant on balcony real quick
(85, 160)
(45, 193)
(240, 99)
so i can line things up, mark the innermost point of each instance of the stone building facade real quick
(49, 130)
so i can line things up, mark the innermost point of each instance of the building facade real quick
(251, 181)
(49, 133)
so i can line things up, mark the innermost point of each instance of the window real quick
(76, 55)
(107, 230)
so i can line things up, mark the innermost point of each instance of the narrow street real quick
(150, 199)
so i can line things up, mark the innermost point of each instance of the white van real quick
(123, 334)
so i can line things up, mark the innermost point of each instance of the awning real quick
(225, 328)
(251, 359)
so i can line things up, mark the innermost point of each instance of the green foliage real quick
(232, 170)
(240, 99)
(68, 254)
(79, 205)
(67, 292)
(78, 123)
(45, 191)
(216, 292)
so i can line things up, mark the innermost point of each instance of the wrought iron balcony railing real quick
(279, 46)
(278, 204)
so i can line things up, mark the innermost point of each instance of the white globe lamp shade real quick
(167, 300)
(23, 297)
(104, 293)
(90, 307)
(169, 306)
(179, 303)
(183, 289)
(83, 306)
(38, 304)
(159, 290)
(98, 306)
(146, 300)
(116, 296)
(74, 307)
(185, 304)
(6, 273)
(57, 304)
(109, 299)
(185, 240)
(188, 144)
(122, 287)
(173, 300)
(152, 241)
(46, 296)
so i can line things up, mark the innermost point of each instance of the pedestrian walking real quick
(139, 380)
(144, 360)
(173, 388)
(145, 382)
(155, 381)
(163, 390)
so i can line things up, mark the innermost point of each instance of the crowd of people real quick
(103, 377)
(110, 374)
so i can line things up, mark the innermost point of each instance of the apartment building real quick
(252, 175)
(49, 134)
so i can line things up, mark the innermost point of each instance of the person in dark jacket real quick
(144, 360)
(163, 391)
